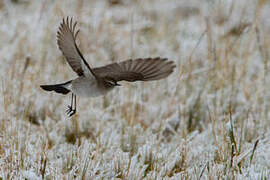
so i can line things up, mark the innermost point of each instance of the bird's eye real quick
(111, 82)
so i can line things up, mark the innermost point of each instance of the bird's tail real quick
(62, 88)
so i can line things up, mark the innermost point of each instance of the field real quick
(210, 119)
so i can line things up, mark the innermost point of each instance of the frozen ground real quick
(209, 120)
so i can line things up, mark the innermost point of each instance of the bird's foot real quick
(70, 112)
(69, 109)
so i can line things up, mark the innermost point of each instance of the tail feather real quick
(59, 88)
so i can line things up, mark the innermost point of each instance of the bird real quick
(98, 81)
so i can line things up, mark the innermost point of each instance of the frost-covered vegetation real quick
(209, 120)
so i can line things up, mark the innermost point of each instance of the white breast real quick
(86, 87)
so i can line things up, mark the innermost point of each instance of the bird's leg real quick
(68, 111)
(73, 111)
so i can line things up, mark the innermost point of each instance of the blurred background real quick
(208, 120)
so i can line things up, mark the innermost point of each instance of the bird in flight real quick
(92, 82)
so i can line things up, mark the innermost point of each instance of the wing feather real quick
(137, 70)
(66, 40)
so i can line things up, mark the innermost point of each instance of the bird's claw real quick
(69, 109)
(70, 112)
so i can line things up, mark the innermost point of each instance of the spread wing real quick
(66, 40)
(146, 69)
